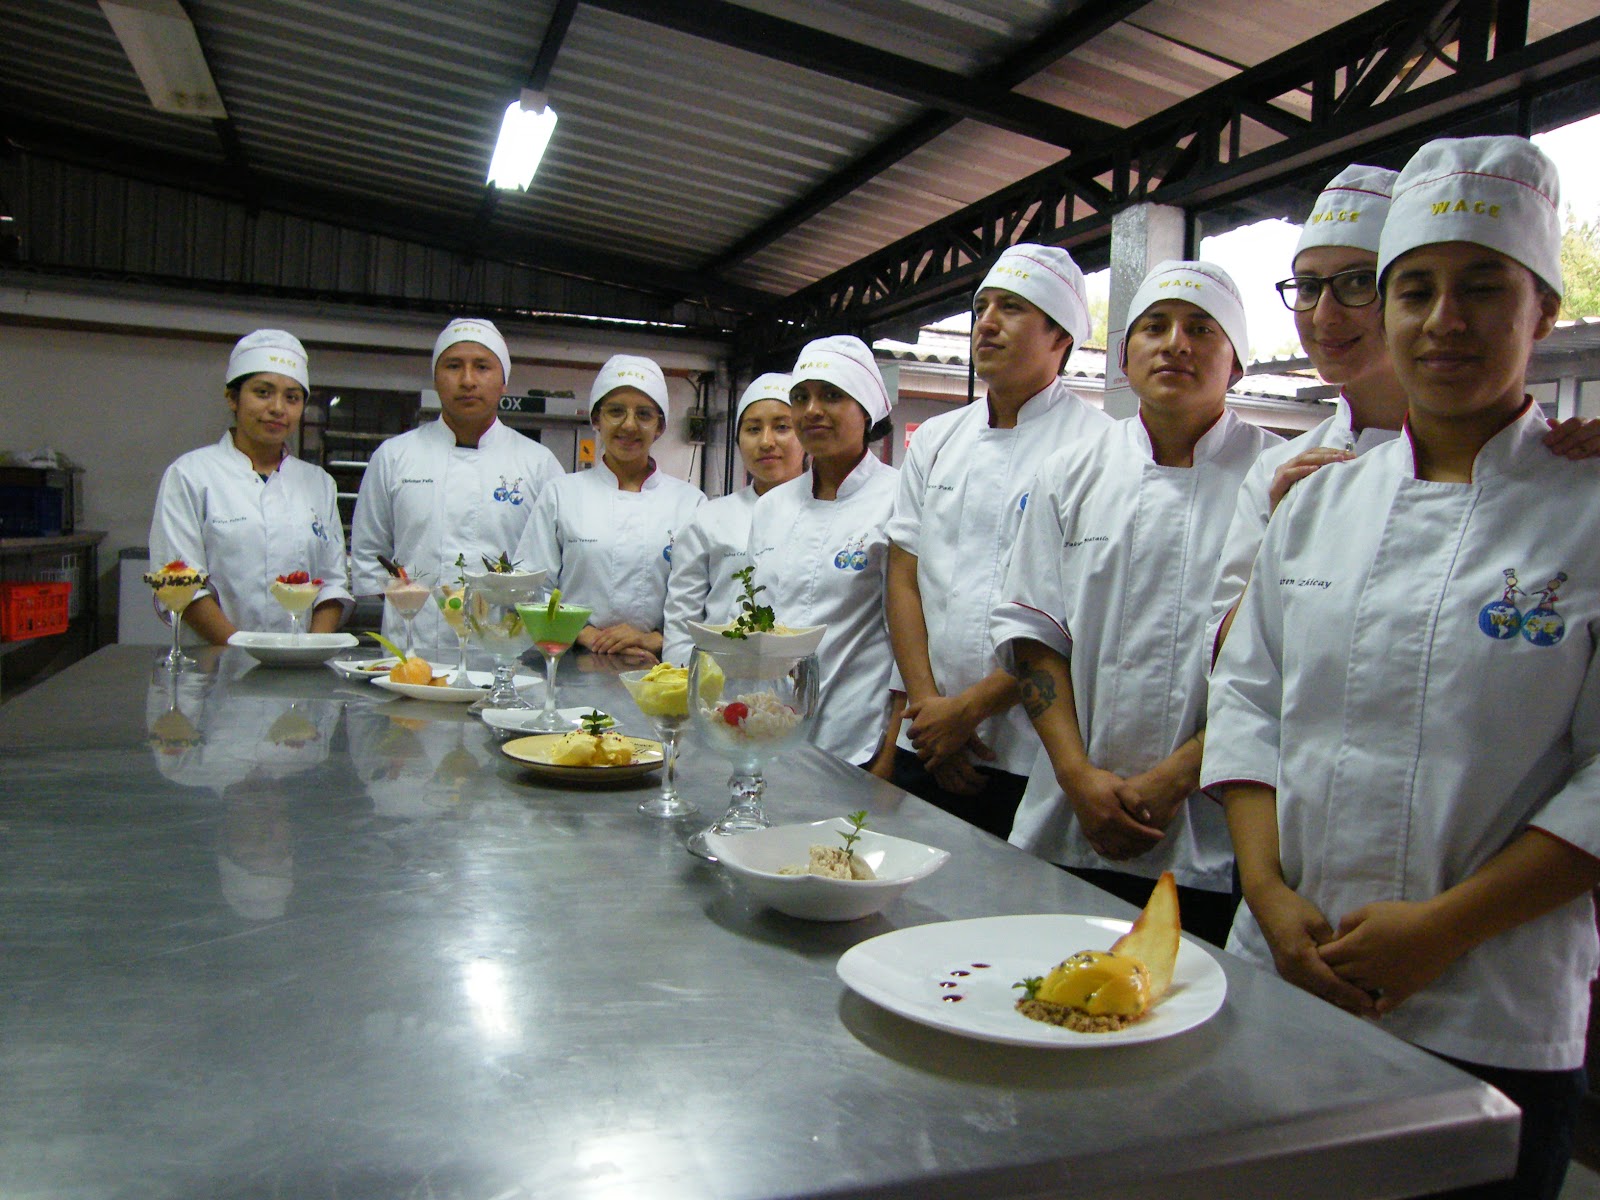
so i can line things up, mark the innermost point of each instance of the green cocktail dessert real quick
(554, 632)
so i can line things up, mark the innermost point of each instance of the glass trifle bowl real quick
(750, 703)
(495, 624)
(553, 626)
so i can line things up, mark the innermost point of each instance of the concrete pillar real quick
(1141, 237)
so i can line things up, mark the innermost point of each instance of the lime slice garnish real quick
(555, 604)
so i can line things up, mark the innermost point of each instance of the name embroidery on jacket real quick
(1541, 625)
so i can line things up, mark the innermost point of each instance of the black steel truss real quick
(1360, 88)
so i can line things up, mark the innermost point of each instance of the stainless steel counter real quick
(344, 948)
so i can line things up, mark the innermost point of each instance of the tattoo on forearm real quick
(1038, 692)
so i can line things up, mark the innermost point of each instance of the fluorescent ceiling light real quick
(524, 134)
(161, 44)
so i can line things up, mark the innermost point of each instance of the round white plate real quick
(521, 720)
(292, 649)
(918, 972)
(437, 693)
(533, 752)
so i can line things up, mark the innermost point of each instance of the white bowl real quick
(754, 858)
(506, 587)
(802, 641)
(292, 649)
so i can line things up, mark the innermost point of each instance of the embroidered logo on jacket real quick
(318, 531)
(854, 555)
(509, 493)
(1542, 625)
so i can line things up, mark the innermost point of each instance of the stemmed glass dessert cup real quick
(553, 630)
(662, 695)
(296, 599)
(452, 601)
(174, 594)
(749, 707)
(493, 621)
(408, 597)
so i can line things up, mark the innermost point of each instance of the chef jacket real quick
(825, 562)
(608, 549)
(1114, 567)
(709, 548)
(424, 501)
(1413, 669)
(963, 488)
(1254, 506)
(218, 515)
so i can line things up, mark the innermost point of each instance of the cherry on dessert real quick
(735, 713)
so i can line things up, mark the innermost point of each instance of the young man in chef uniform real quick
(461, 486)
(965, 745)
(1405, 717)
(1106, 604)
(1334, 296)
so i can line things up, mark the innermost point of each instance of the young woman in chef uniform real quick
(716, 541)
(605, 535)
(245, 510)
(1106, 603)
(819, 544)
(1405, 717)
(1334, 296)
(459, 487)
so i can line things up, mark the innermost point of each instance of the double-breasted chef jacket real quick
(607, 549)
(1413, 669)
(708, 549)
(825, 562)
(963, 489)
(218, 515)
(1254, 506)
(424, 501)
(1114, 567)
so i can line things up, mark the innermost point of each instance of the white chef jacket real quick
(219, 516)
(1114, 567)
(1407, 744)
(825, 562)
(425, 500)
(607, 549)
(709, 548)
(963, 488)
(1254, 506)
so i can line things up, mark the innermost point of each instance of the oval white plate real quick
(915, 972)
(292, 649)
(437, 693)
(533, 752)
(363, 668)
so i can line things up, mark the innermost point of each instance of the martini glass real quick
(452, 602)
(493, 620)
(553, 630)
(749, 707)
(174, 591)
(296, 599)
(662, 694)
(407, 596)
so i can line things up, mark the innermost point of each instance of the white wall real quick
(122, 387)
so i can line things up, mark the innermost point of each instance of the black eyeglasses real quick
(1355, 288)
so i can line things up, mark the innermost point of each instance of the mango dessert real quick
(662, 692)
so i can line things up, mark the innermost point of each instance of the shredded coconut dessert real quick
(831, 862)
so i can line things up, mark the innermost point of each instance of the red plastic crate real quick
(32, 610)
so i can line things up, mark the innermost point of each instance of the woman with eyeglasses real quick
(605, 535)
(1333, 294)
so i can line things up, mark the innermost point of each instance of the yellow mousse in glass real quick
(175, 584)
(296, 595)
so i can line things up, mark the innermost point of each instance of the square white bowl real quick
(292, 649)
(754, 859)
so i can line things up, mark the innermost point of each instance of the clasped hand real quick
(1122, 818)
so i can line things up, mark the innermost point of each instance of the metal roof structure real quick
(750, 171)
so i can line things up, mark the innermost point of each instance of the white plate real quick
(521, 720)
(363, 668)
(533, 752)
(437, 693)
(292, 649)
(909, 972)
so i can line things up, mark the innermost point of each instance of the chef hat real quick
(1350, 211)
(847, 363)
(471, 329)
(1203, 284)
(1047, 278)
(269, 350)
(1499, 192)
(630, 370)
(771, 386)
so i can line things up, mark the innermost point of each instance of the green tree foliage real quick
(1580, 268)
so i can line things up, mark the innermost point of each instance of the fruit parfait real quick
(175, 585)
(297, 592)
(407, 592)
(452, 601)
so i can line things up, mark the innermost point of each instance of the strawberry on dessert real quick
(296, 591)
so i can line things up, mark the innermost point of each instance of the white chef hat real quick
(774, 385)
(1498, 192)
(1350, 211)
(631, 370)
(1047, 278)
(269, 350)
(847, 363)
(472, 329)
(1206, 286)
